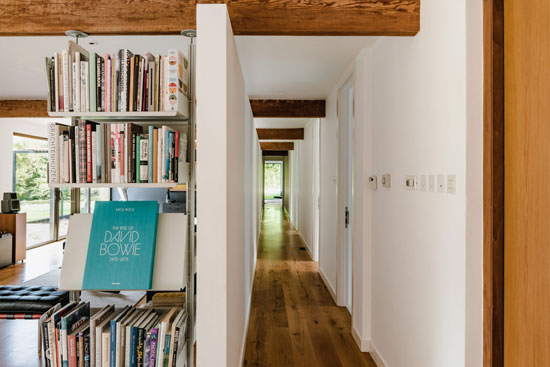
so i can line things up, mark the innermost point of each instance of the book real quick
(122, 246)
(92, 82)
(150, 145)
(113, 337)
(44, 335)
(55, 334)
(69, 323)
(143, 158)
(95, 320)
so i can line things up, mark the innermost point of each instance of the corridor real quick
(293, 319)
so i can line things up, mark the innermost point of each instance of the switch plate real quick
(423, 183)
(451, 184)
(411, 182)
(373, 182)
(432, 183)
(386, 180)
(440, 183)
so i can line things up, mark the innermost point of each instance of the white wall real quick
(9, 126)
(418, 112)
(305, 198)
(227, 202)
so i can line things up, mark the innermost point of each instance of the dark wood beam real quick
(23, 108)
(275, 153)
(281, 134)
(248, 17)
(284, 108)
(276, 146)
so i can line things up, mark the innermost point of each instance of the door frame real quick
(493, 183)
(344, 273)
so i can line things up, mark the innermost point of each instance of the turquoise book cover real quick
(121, 250)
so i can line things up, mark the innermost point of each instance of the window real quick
(30, 182)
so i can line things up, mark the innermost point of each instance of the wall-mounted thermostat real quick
(373, 182)
(411, 182)
(386, 180)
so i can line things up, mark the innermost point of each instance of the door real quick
(345, 193)
(526, 178)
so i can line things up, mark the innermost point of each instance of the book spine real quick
(140, 85)
(155, 155)
(73, 138)
(88, 153)
(137, 59)
(71, 349)
(122, 155)
(113, 343)
(176, 345)
(103, 84)
(107, 96)
(82, 150)
(100, 136)
(98, 64)
(144, 159)
(94, 156)
(55, 106)
(167, 156)
(76, 82)
(51, 353)
(133, 161)
(52, 153)
(92, 91)
(153, 352)
(150, 145)
(171, 82)
(131, 84)
(133, 346)
(105, 356)
(123, 79)
(80, 348)
(86, 78)
(138, 159)
(87, 350)
(139, 347)
(83, 85)
(166, 352)
(45, 343)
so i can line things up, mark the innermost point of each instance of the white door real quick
(345, 193)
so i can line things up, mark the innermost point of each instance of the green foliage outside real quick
(272, 180)
(31, 179)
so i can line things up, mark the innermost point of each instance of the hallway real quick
(293, 318)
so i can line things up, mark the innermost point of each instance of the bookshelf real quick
(174, 117)
(174, 268)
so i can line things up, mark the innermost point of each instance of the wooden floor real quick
(293, 319)
(19, 338)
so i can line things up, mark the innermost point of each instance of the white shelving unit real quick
(113, 185)
(183, 120)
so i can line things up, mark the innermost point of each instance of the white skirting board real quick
(169, 270)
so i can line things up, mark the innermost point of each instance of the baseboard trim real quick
(245, 334)
(363, 344)
(375, 355)
(328, 285)
(306, 245)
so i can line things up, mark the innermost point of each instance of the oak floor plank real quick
(293, 319)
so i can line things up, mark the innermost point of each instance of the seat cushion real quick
(31, 299)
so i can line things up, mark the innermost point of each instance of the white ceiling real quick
(274, 67)
(296, 67)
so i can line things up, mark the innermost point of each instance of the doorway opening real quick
(345, 194)
(273, 182)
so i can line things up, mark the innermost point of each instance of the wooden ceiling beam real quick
(276, 146)
(281, 134)
(288, 108)
(248, 17)
(23, 108)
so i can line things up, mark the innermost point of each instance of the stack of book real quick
(89, 152)
(131, 337)
(82, 81)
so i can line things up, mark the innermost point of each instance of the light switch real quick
(411, 182)
(373, 182)
(440, 183)
(432, 183)
(386, 180)
(451, 184)
(423, 183)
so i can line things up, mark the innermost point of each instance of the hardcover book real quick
(121, 248)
